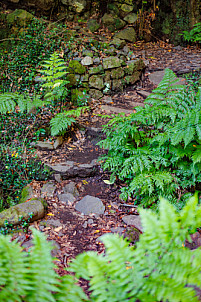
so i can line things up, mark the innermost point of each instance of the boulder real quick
(90, 204)
(111, 62)
(19, 17)
(93, 25)
(87, 61)
(127, 34)
(112, 23)
(13, 215)
(76, 68)
(118, 43)
(131, 18)
(96, 81)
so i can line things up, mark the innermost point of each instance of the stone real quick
(157, 76)
(111, 109)
(112, 22)
(95, 94)
(133, 220)
(71, 188)
(75, 67)
(55, 248)
(78, 6)
(90, 221)
(19, 17)
(97, 61)
(93, 25)
(107, 99)
(132, 79)
(58, 142)
(125, 9)
(117, 85)
(133, 66)
(126, 49)
(84, 78)
(87, 61)
(68, 198)
(96, 81)
(118, 43)
(117, 230)
(13, 215)
(48, 189)
(27, 193)
(44, 145)
(88, 53)
(117, 73)
(127, 34)
(130, 18)
(58, 177)
(51, 222)
(90, 204)
(70, 169)
(111, 62)
(143, 93)
(72, 81)
(95, 70)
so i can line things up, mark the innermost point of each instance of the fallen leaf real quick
(58, 229)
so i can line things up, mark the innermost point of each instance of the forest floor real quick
(71, 231)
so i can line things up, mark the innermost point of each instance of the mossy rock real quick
(71, 78)
(93, 25)
(95, 70)
(117, 73)
(27, 193)
(133, 66)
(117, 85)
(75, 67)
(19, 17)
(132, 79)
(96, 81)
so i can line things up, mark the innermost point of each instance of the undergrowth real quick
(160, 268)
(156, 151)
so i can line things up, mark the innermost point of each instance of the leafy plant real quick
(156, 150)
(160, 268)
(194, 35)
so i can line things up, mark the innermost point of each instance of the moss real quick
(71, 78)
(75, 93)
(27, 192)
(75, 67)
(19, 17)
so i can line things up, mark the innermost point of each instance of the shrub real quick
(160, 268)
(156, 151)
(194, 35)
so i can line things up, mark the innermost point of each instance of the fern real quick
(145, 149)
(159, 268)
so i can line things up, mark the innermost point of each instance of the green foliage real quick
(156, 150)
(53, 71)
(32, 45)
(160, 268)
(194, 35)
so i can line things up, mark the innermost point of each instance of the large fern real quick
(160, 268)
(146, 148)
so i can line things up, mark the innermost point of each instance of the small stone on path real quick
(67, 197)
(48, 189)
(133, 220)
(90, 204)
(71, 188)
(110, 109)
(157, 76)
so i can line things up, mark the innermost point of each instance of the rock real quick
(48, 189)
(93, 25)
(71, 78)
(19, 17)
(143, 93)
(95, 70)
(88, 53)
(111, 62)
(110, 109)
(133, 220)
(36, 206)
(127, 34)
(118, 43)
(157, 76)
(95, 94)
(131, 18)
(117, 230)
(126, 49)
(117, 85)
(90, 221)
(130, 80)
(112, 22)
(70, 169)
(27, 193)
(71, 188)
(90, 204)
(76, 68)
(117, 73)
(133, 66)
(125, 9)
(51, 222)
(58, 142)
(78, 6)
(107, 99)
(96, 81)
(87, 61)
(97, 61)
(68, 198)
(84, 78)
(58, 178)
(44, 145)
(55, 248)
